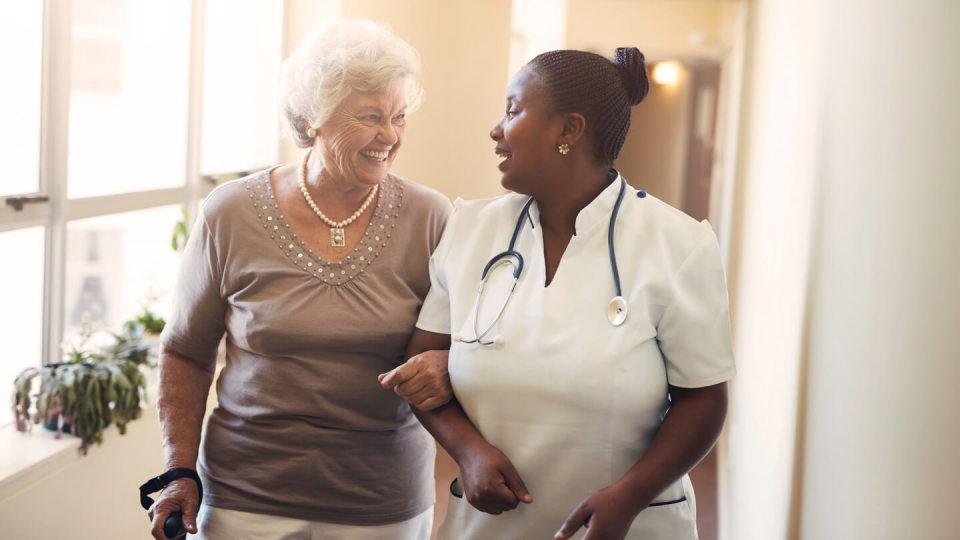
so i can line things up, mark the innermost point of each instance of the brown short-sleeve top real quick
(303, 428)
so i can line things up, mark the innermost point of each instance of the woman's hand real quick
(179, 496)
(607, 515)
(422, 380)
(490, 482)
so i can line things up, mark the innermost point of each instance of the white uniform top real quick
(572, 400)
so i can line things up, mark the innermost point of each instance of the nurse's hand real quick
(490, 482)
(422, 380)
(607, 515)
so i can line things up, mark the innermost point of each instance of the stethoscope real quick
(616, 309)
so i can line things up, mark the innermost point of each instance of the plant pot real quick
(52, 425)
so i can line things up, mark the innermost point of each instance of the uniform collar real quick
(600, 208)
(597, 211)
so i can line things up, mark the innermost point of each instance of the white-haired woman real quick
(315, 271)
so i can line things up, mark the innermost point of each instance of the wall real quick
(464, 47)
(87, 497)
(655, 152)
(654, 155)
(844, 421)
(662, 29)
(883, 411)
(768, 269)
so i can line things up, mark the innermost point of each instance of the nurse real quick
(574, 411)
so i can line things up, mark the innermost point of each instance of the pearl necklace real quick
(338, 237)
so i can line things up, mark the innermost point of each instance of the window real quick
(240, 106)
(119, 263)
(130, 64)
(21, 319)
(119, 109)
(21, 54)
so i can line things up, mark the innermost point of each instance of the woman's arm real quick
(184, 386)
(490, 481)
(688, 432)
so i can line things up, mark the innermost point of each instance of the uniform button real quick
(641, 194)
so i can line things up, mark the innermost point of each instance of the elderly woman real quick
(590, 370)
(315, 271)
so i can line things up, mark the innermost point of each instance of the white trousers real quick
(221, 524)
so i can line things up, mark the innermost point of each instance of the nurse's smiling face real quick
(527, 135)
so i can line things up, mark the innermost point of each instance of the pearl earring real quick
(311, 132)
(563, 148)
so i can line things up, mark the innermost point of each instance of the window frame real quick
(50, 206)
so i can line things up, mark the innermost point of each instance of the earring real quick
(563, 148)
(311, 132)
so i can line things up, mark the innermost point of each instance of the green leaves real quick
(180, 231)
(88, 391)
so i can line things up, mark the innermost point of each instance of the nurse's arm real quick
(688, 432)
(490, 481)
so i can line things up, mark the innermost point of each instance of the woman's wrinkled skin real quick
(339, 178)
(422, 380)
(364, 121)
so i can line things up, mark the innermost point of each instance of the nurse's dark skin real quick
(562, 185)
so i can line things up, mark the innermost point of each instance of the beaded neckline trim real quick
(375, 239)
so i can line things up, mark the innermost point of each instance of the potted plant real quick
(181, 230)
(89, 390)
(152, 323)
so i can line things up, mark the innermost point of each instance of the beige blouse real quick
(303, 428)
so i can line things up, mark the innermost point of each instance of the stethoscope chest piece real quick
(617, 311)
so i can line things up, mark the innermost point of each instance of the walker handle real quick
(173, 524)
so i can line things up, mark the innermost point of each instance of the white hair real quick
(328, 64)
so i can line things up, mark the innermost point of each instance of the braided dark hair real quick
(601, 90)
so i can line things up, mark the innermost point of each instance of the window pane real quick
(243, 46)
(128, 97)
(21, 319)
(116, 266)
(21, 59)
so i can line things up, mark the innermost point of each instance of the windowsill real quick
(27, 457)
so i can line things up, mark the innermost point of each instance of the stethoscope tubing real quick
(515, 259)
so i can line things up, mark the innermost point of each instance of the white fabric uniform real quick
(224, 524)
(573, 401)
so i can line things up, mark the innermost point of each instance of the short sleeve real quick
(197, 323)
(694, 332)
(435, 312)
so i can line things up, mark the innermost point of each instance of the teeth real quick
(375, 155)
(503, 154)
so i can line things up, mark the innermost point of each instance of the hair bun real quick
(629, 62)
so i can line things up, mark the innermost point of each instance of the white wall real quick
(844, 419)
(882, 452)
(88, 497)
(768, 266)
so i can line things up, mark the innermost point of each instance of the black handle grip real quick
(173, 524)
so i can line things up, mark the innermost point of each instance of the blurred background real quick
(820, 138)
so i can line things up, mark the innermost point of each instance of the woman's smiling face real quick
(527, 134)
(361, 138)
